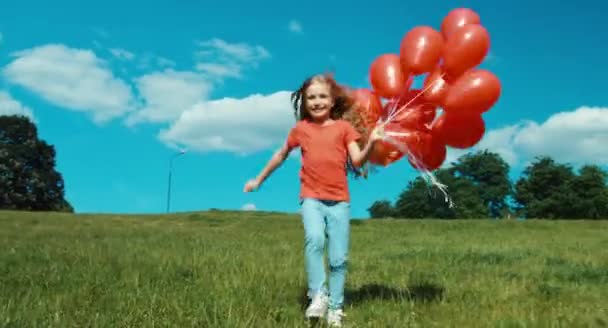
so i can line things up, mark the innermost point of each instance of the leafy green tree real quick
(28, 179)
(592, 193)
(416, 201)
(489, 173)
(545, 191)
(381, 209)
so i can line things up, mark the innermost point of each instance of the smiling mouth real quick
(318, 109)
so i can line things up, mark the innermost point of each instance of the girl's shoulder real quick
(300, 125)
(344, 123)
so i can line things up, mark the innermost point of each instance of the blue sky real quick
(119, 86)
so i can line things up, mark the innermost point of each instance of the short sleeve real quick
(350, 134)
(293, 139)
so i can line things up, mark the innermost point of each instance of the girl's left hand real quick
(377, 133)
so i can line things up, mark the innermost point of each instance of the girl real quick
(330, 145)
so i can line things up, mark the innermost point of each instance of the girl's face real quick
(319, 101)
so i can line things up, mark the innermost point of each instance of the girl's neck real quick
(322, 122)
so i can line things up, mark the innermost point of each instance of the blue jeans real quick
(321, 219)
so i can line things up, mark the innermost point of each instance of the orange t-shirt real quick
(324, 156)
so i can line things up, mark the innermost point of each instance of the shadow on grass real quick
(426, 292)
(423, 292)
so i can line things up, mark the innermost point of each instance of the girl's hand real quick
(377, 133)
(251, 185)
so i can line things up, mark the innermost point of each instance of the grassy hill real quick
(242, 269)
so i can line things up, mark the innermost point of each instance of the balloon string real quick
(403, 148)
(393, 114)
(397, 134)
(426, 174)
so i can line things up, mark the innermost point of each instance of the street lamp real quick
(181, 152)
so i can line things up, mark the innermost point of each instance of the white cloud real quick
(498, 141)
(10, 106)
(452, 155)
(72, 78)
(254, 123)
(77, 79)
(150, 61)
(221, 59)
(220, 70)
(167, 94)
(295, 26)
(577, 137)
(249, 207)
(237, 51)
(122, 54)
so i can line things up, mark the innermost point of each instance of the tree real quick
(28, 179)
(545, 191)
(415, 201)
(381, 209)
(421, 200)
(592, 192)
(490, 175)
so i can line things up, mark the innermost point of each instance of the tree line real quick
(479, 186)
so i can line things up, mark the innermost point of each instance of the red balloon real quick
(403, 99)
(458, 18)
(385, 154)
(421, 49)
(476, 91)
(387, 77)
(429, 112)
(436, 88)
(389, 151)
(465, 49)
(459, 130)
(413, 118)
(426, 151)
(368, 105)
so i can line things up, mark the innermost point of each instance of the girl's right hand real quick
(251, 185)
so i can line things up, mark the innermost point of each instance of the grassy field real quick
(242, 269)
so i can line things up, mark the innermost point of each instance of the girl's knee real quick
(315, 241)
(338, 264)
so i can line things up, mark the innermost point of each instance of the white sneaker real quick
(334, 318)
(318, 306)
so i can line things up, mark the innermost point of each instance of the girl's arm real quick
(275, 161)
(360, 156)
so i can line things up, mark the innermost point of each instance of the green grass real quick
(243, 269)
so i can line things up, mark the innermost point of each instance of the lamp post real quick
(181, 152)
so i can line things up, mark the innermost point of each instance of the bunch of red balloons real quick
(454, 83)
